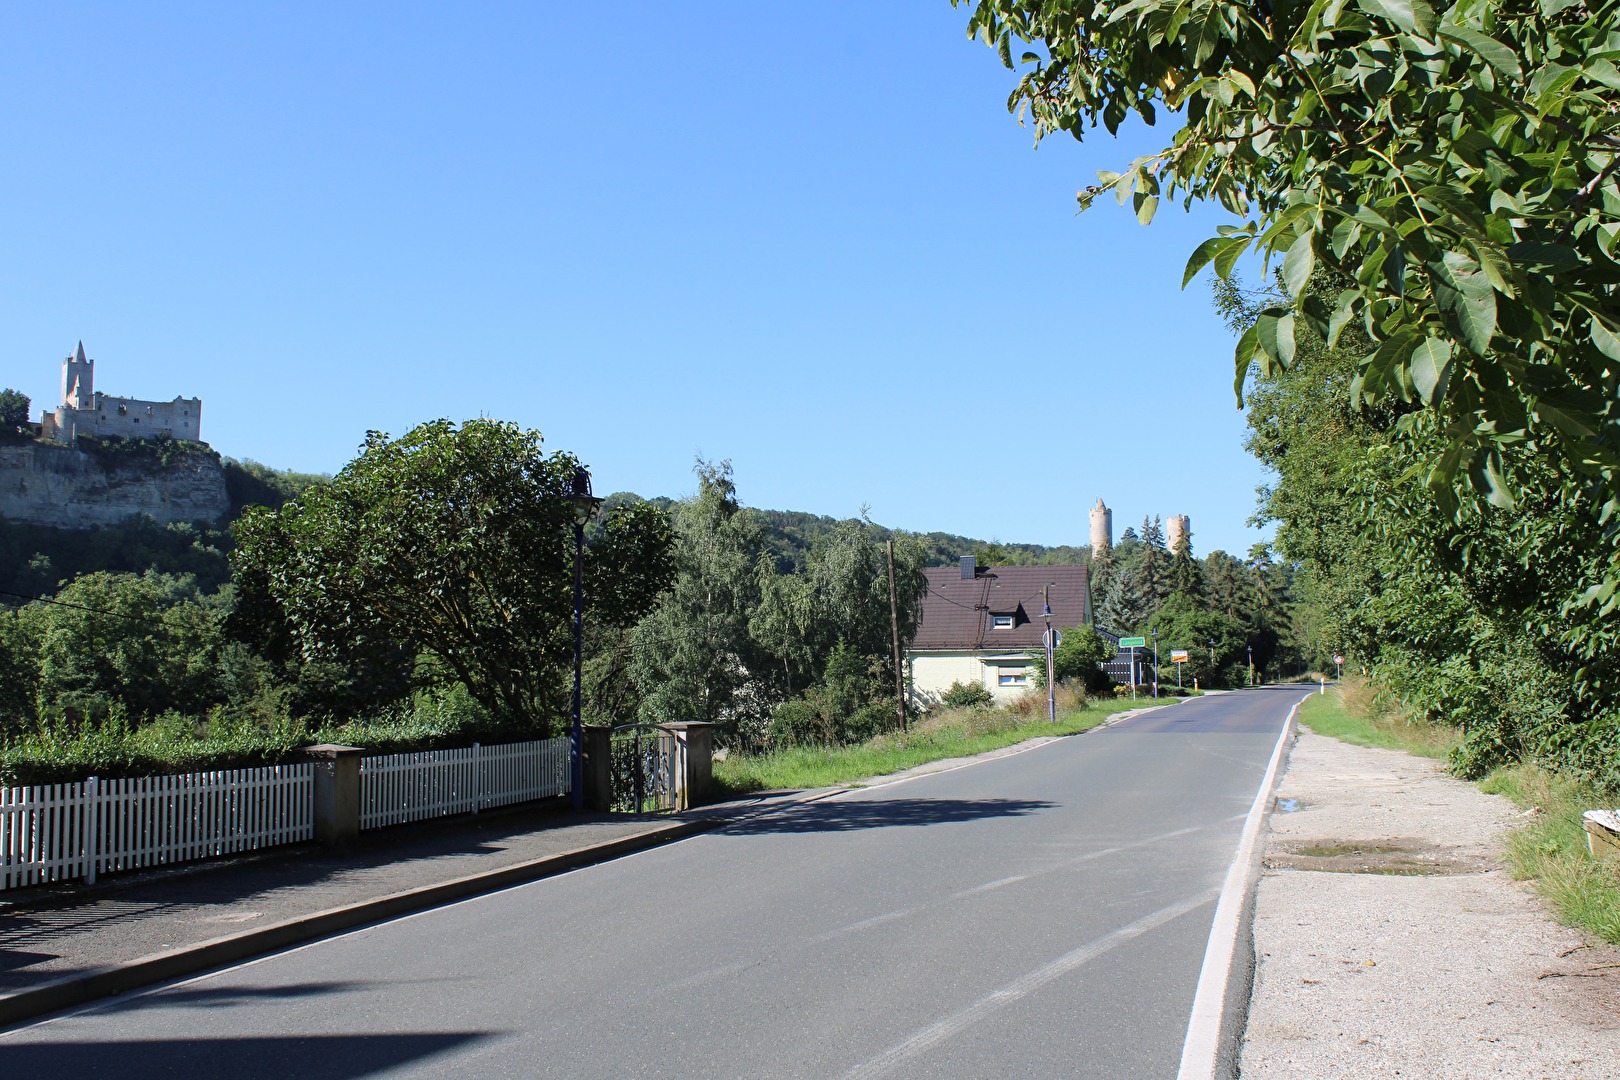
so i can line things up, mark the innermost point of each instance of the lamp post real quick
(1251, 665)
(1155, 661)
(584, 504)
(1051, 644)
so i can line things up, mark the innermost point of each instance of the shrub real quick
(962, 695)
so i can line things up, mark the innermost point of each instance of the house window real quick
(1001, 622)
(1014, 678)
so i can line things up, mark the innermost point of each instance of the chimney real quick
(968, 570)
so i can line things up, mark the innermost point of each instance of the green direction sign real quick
(1133, 642)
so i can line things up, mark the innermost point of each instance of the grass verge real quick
(1549, 852)
(1347, 713)
(952, 733)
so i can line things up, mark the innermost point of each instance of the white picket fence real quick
(396, 788)
(56, 832)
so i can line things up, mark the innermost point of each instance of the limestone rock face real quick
(41, 484)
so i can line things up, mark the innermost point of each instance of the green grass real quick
(1328, 714)
(1549, 852)
(955, 733)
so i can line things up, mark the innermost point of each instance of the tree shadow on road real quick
(308, 1057)
(850, 815)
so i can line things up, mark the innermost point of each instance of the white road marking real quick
(1200, 1052)
(1022, 987)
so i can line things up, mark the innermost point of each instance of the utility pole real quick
(1051, 691)
(1251, 665)
(894, 628)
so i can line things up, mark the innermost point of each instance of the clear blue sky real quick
(805, 237)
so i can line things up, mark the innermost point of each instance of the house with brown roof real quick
(979, 625)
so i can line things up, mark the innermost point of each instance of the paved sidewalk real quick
(1390, 941)
(48, 934)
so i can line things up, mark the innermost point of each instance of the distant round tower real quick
(1102, 529)
(1177, 529)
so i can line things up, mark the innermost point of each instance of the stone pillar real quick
(694, 761)
(597, 752)
(337, 793)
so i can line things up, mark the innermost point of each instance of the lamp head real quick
(580, 496)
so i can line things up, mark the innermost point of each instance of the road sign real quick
(1178, 656)
(1133, 642)
(1337, 659)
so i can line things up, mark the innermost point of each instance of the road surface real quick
(1041, 914)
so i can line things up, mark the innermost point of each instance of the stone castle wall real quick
(70, 489)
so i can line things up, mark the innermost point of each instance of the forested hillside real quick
(422, 596)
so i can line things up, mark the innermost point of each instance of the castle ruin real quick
(87, 411)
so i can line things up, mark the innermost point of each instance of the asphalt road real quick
(1040, 914)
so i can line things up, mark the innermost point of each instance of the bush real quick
(963, 695)
(796, 722)
(870, 720)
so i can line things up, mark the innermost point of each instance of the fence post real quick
(337, 793)
(598, 752)
(91, 840)
(478, 779)
(694, 761)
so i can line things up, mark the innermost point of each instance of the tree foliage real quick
(1453, 165)
(14, 410)
(455, 542)
(1465, 622)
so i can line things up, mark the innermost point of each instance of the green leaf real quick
(1382, 371)
(1243, 356)
(1343, 312)
(1605, 340)
(1200, 258)
(1413, 16)
(1145, 206)
(1549, 8)
(1229, 255)
(1464, 293)
(1298, 264)
(1274, 331)
(1431, 369)
(1487, 48)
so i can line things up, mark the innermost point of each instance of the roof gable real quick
(959, 613)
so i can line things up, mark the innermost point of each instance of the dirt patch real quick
(1414, 954)
(1402, 857)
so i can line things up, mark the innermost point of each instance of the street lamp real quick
(1155, 661)
(1251, 665)
(1212, 655)
(584, 505)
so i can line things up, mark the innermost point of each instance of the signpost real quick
(1133, 643)
(1338, 666)
(1178, 657)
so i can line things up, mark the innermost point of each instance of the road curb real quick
(71, 990)
(1225, 980)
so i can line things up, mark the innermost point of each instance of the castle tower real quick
(1177, 529)
(78, 381)
(1102, 529)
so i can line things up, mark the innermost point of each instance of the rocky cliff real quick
(43, 484)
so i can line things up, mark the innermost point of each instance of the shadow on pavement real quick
(308, 1057)
(846, 816)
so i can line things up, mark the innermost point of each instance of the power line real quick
(91, 610)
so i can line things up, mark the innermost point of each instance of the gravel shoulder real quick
(1390, 940)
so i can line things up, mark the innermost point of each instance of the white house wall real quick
(931, 674)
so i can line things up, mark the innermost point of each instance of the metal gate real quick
(642, 762)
